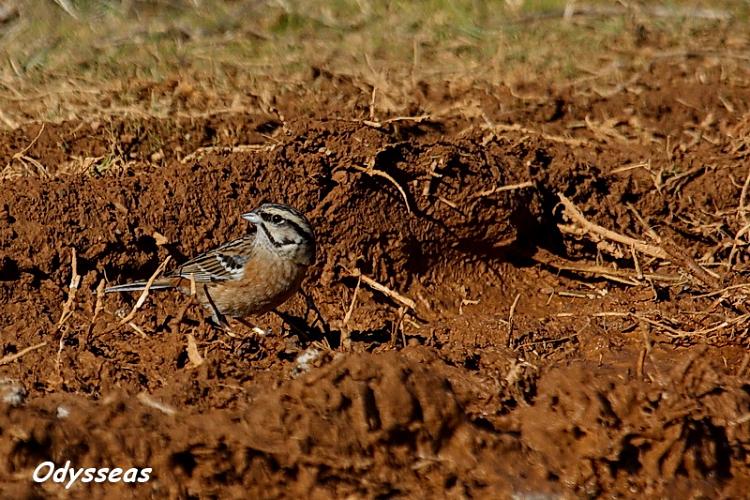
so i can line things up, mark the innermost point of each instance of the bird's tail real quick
(140, 285)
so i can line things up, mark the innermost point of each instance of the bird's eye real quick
(277, 219)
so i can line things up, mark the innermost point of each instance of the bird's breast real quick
(266, 284)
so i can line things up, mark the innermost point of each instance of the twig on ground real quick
(147, 400)
(575, 214)
(372, 171)
(620, 275)
(384, 289)
(723, 290)
(511, 314)
(75, 280)
(243, 148)
(137, 330)
(144, 293)
(398, 327)
(741, 212)
(678, 333)
(194, 356)
(681, 257)
(21, 156)
(12, 357)
(345, 330)
(649, 231)
(668, 249)
(99, 306)
(516, 127)
(381, 123)
(500, 189)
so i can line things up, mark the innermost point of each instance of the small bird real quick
(250, 275)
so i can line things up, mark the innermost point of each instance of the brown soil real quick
(513, 374)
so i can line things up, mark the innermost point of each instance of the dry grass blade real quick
(144, 293)
(21, 157)
(67, 7)
(30, 145)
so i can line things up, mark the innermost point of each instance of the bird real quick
(251, 275)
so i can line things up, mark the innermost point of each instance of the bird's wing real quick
(224, 263)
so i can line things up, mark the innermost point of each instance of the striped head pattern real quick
(285, 231)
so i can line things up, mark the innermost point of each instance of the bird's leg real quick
(217, 318)
(221, 321)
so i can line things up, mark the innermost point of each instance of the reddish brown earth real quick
(518, 370)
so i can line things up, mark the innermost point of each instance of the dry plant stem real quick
(500, 189)
(741, 212)
(99, 306)
(373, 172)
(681, 257)
(511, 314)
(147, 400)
(193, 354)
(58, 360)
(677, 333)
(590, 227)
(651, 233)
(75, 281)
(668, 251)
(345, 330)
(743, 365)
(636, 262)
(12, 357)
(547, 259)
(137, 330)
(518, 128)
(31, 144)
(349, 311)
(226, 149)
(723, 290)
(639, 369)
(398, 326)
(735, 243)
(21, 156)
(380, 124)
(144, 293)
(384, 289)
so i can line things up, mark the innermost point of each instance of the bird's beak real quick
(252, 217)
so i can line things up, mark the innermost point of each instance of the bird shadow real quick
(316, 330)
